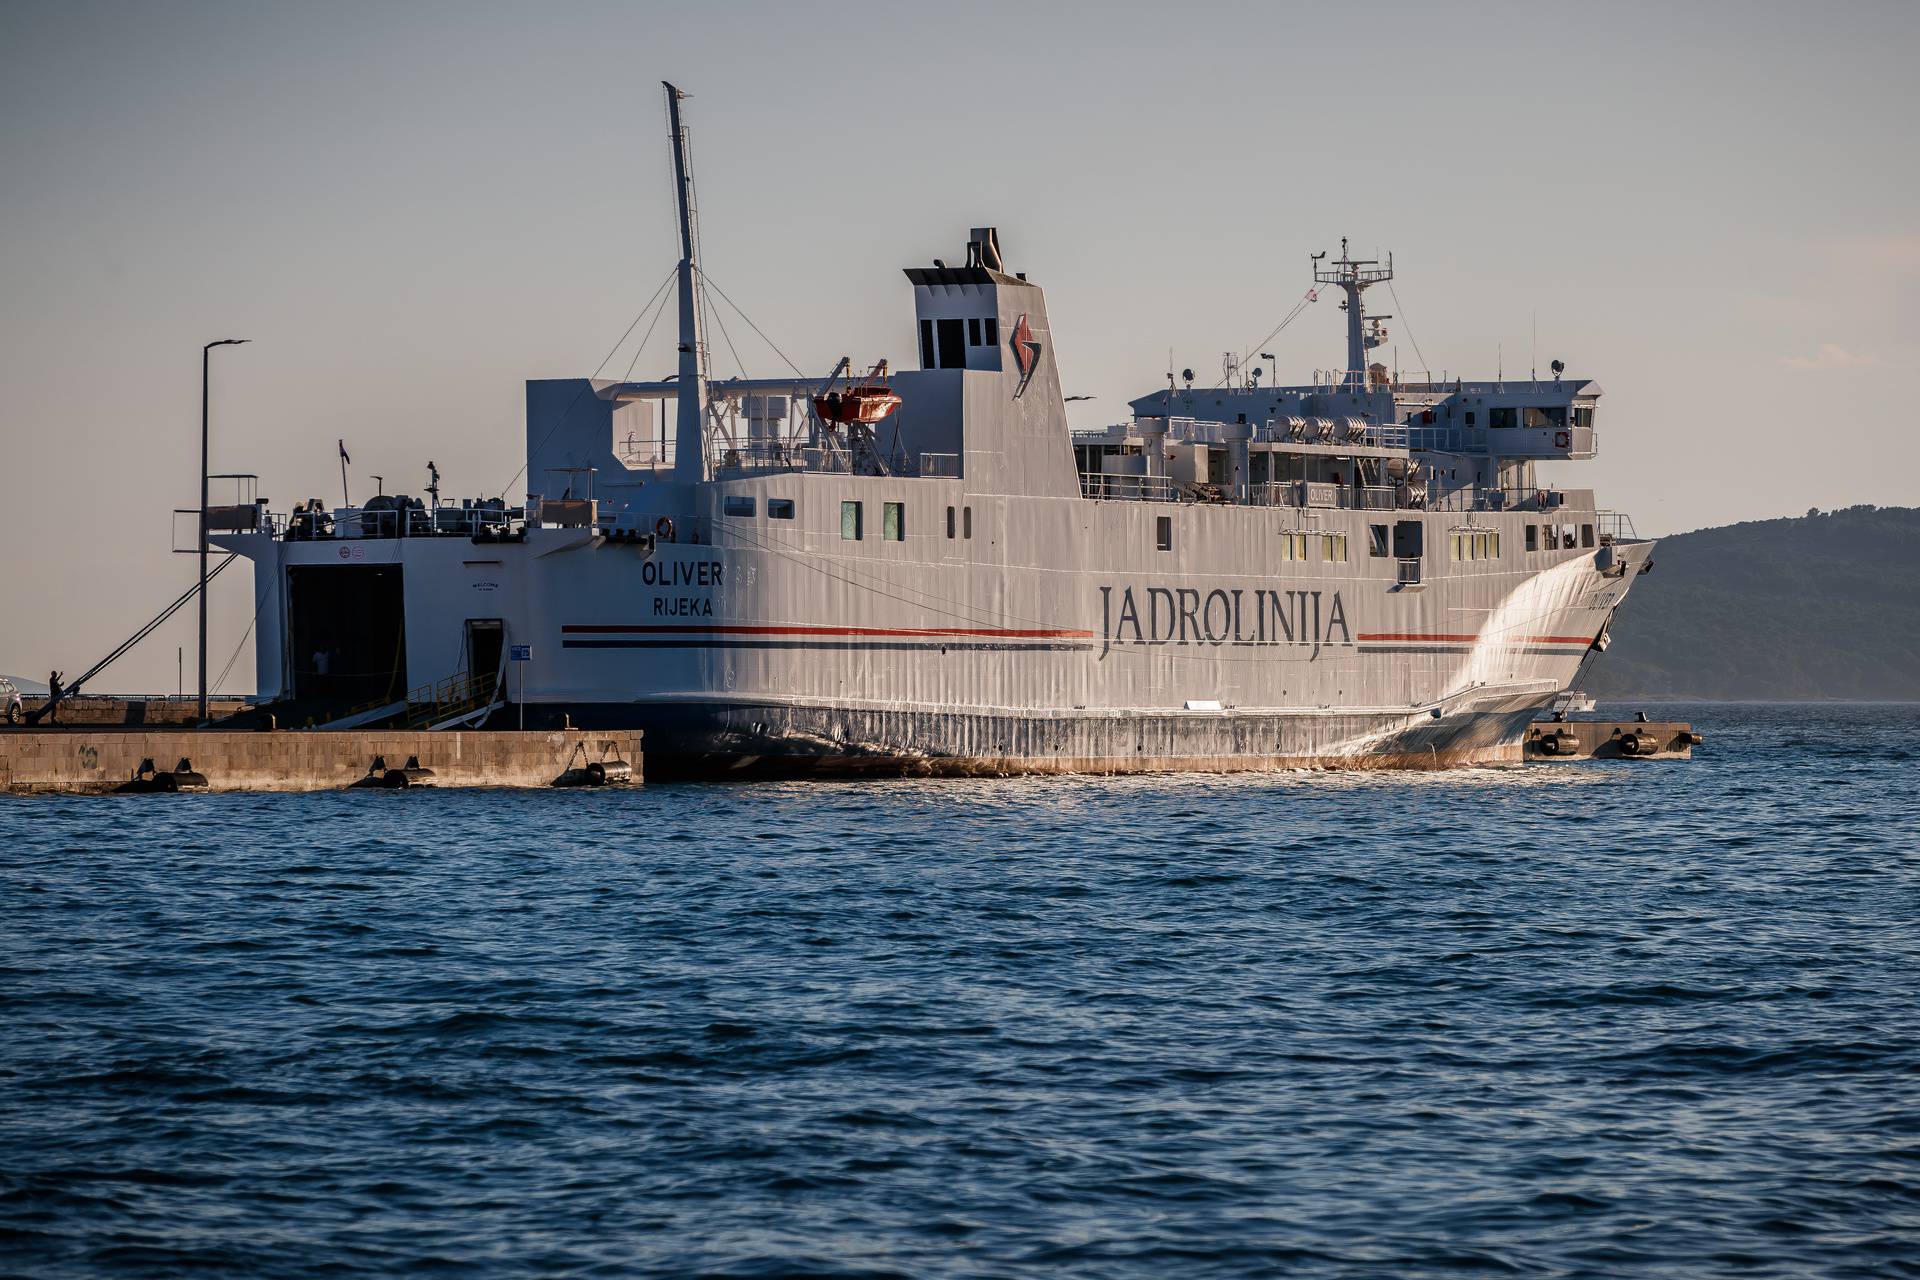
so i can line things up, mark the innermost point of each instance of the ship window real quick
(1500, 417)
(779, 508)
(1493, 545)
(993, 332)
(1553, 415)
(1163, 532)
(1586, 535)
(926, 345)
(1583, 415)
(953, 343)
(893, 522)
(1333, 546)
(1459, 551)
(850, 521)
(1376, 540)
(949, 522)
(973, 331)
(737, 506)
(1469, 417)
(1533, 537)
(966, 522)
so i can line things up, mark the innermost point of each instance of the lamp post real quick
(206, 353)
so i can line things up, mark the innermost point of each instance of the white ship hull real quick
(1057, 639)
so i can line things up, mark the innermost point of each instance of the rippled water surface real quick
(1627, 1019)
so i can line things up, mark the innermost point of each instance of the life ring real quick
(1562, 439)
(663, 528)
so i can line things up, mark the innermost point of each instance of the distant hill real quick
(1824, 606)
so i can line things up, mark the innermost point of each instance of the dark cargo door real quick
(347, 632)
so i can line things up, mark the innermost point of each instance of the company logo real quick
(1026, 354)
(1229, 616)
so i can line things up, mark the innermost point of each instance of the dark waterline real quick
(1625, 1019)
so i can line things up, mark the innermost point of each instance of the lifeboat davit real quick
(866, 402)
(865, 405)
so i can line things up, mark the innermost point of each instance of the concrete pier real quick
(82, 761)
(1566, 741)
(90, 710)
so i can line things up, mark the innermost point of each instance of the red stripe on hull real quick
(696, 629)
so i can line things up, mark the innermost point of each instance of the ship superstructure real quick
(925, 570)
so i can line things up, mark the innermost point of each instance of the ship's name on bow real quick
(1223, 616)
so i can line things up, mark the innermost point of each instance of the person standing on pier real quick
(53, 697)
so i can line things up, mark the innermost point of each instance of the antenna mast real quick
(689, 439)
(1354, 275)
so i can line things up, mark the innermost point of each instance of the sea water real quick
(1629, 1018)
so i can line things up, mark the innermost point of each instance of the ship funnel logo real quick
(1026, 354)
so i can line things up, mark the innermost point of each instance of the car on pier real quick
(10, 699)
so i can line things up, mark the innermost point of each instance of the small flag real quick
(343, 452)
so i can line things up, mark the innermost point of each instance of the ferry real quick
(926, 571)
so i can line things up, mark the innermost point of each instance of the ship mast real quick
(1353, 275)
(689, 438)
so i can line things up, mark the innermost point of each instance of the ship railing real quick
(460, 692)
(307, 524)
(1113, 488)
(1325, 494)
(761, 455)
(1475, 498)
(834, 458)
(1614, 526)
(694, 530)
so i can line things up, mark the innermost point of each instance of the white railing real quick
(1108, 488)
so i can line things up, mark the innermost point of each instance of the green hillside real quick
(1824, 606)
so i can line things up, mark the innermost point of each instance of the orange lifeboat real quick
(866, 402)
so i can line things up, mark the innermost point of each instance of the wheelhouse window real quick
(779, 508)
(893, 522)
(737, 505)
(1502, 417)
(1583, 415)
(953, 343)
(1553, 415)
(850, 521)
(1163, 533)
(927, 359)
(993, 331)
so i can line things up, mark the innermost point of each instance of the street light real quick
(205, 353)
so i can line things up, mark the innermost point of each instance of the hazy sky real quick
(411, 208)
